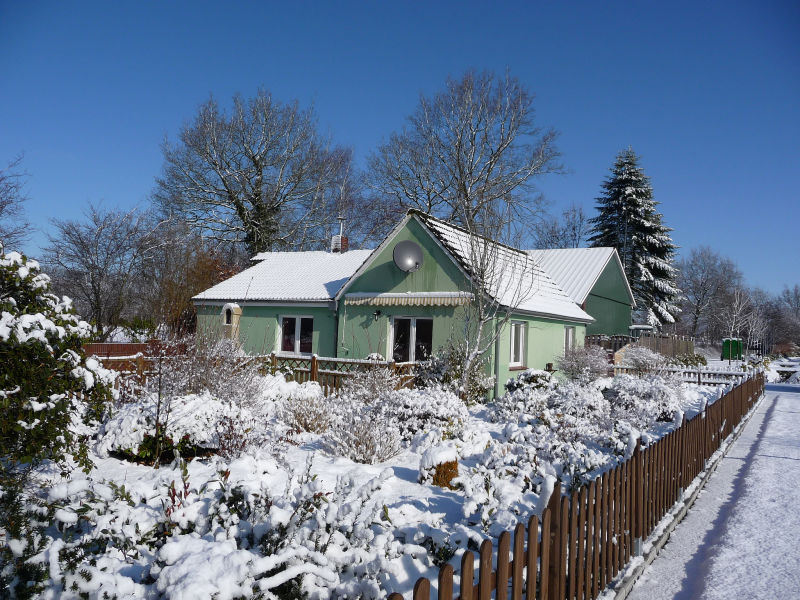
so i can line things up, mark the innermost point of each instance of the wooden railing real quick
(584, 540)
(328, 372)
(698, 375)
(331, 372)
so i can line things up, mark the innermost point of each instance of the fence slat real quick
(485, 571)
(446, 583)
(544, 548)
(501, 579)
(422, 589)
(580, 575)
(467, 575)
(572, 553)
(517, 577)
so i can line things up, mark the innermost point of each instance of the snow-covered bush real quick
(447, 369)
(643, 360)
(366, 387)
(531, 379)
(363, 434)
(641, 401)
(418, 410)
(307, 409)
(46, 382)
(50, 394)
(584, 363)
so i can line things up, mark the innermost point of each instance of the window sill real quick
(517, 368)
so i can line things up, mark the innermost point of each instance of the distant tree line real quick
(261, 176)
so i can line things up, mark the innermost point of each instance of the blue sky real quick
(707, 93)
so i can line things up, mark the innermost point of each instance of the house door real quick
(412, 339)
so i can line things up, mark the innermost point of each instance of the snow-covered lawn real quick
(292, 505)
(739, 539)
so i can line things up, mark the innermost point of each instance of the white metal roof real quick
(519, 282)
(576, 270)
(313, 276)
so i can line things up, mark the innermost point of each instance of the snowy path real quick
(740, 538)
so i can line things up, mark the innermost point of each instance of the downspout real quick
(496, 362)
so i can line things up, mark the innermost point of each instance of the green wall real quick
(361, 334)
(259, 326)
(609, 303)
(544, 343)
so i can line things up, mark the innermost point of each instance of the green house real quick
(595, 280)
(402, 301)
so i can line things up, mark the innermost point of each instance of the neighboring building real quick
(595, 280)
(404, 301)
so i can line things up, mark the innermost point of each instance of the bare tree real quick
(570, 231)
(467, 155)
(14, 229)
(98, 260)
(735, 312)
(704, 278)
(261, 175)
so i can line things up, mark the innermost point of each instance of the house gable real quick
(609, 302)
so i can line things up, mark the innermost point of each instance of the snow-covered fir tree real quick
(628, 221)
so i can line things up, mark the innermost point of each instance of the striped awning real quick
(409, 299)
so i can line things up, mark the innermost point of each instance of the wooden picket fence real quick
(583, 541)
(698, 375)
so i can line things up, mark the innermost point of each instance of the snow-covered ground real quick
(739, 539)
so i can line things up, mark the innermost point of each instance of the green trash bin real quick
(732, 349)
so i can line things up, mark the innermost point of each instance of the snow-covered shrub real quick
(307, 409)
(641, 401)
(643, 360)
(447, 369)
(688, 360)
(366, 387)
(46, 382)
(418, 410)
(363, 434)
(584, 363)
(531, 379)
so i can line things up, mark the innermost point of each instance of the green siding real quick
(259, 326)
(609, 303)
(544, 343)
(437, 274)
(361, 334)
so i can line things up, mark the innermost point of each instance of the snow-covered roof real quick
(313, 276)
(576, 270)
(520, 283)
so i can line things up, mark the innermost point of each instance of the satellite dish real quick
(407, 256)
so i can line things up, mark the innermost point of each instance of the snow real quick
(275, 277)
(739, 539)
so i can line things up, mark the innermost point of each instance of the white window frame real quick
(296, 351)
(522, 327)
(570, 333)
(413, 339)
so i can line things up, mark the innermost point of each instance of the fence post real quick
(273, 361)
(314, 368)
(554, 543)
(638, 500)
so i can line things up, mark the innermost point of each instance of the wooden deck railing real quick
(584, 540)
(328, 372)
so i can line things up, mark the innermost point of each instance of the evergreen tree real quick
(628, 221)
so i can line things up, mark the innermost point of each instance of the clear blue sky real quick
(708, 93)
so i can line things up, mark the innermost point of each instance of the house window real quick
(296, 334)
(569, 339)
(412, 339)
(517, 344)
